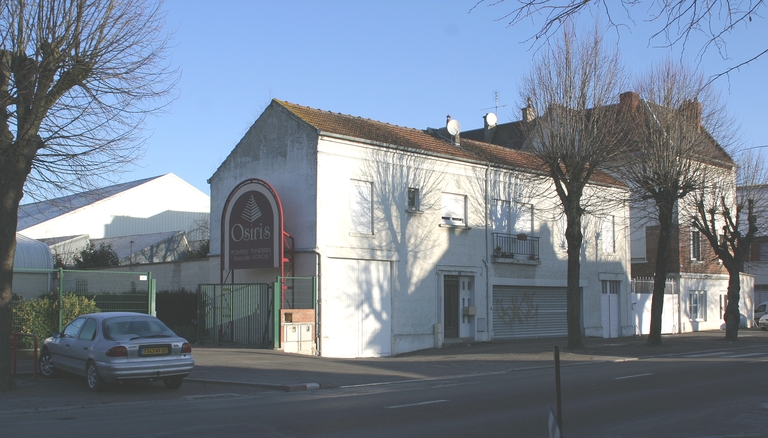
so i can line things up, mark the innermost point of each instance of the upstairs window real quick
(608, 234)
(512, 217)
(695, 246)
(361, 207)
(414, 201)
(454, 209)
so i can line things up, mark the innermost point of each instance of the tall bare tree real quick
(678, 22)
(571, 88)
(727, 214)
(672, 154)
(77, 79)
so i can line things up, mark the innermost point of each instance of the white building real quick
(418, 237)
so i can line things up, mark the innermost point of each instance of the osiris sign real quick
(251, 227)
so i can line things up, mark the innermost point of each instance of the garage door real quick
(528, 312)
(357, 307)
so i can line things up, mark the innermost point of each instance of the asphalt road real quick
(714, 393)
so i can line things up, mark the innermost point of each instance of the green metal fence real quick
(299, 292)
(237, 313)
(111, 291)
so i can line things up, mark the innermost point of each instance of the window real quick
(454, 209)
(73, 328)
(361, 207)
(512, 217)
(88, 333)
(611, 287)
(413, 199)
(695, 245)
(608, 235)
(697, 305)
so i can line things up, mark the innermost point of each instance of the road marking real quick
(746, 355)
(633, 376)
(714, 353)
(416, 404)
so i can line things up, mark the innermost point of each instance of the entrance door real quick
(451, 306)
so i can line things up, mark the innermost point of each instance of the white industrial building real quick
(419, 237)
(145, 221)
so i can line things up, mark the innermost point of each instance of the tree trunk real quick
(574, 237)
(11, 191)
(732, 316)
(665, 207)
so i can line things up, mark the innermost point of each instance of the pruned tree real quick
(91, 256)
(572, 129)
(671, 154)
(677, 22)
(727, 214)
(77, 79)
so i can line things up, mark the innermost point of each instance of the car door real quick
(61, 350)
(80, 347)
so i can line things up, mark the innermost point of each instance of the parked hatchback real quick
(118, 346)
(760, 310)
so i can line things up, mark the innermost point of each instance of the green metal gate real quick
(237, 313)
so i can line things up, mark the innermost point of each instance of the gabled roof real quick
(428, 142)
(39, 212)
(513, 135)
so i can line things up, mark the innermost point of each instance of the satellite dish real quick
(491, 120)
(454, 127)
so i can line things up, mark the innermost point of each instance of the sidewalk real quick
(291, 372)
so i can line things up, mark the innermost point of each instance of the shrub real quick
(41, 316)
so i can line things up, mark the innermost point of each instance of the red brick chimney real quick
(629, 100)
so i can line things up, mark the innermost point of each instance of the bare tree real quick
(678, 22)
(77, 79)
(573, 83)
(672, 155)
(727, 214)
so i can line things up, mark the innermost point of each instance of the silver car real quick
(117, 346)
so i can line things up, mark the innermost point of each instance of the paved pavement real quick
(269, 369)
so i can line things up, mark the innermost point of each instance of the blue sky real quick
(408, 63)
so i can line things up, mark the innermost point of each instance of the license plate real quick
(154, 351)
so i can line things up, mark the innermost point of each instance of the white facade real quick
(401, 235)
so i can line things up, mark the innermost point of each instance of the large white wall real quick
(166, 203)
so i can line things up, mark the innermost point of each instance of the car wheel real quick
(93, 378)
(45, 364)
(173, 382)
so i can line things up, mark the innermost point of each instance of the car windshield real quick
(136, 327)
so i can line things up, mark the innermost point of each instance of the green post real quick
(152, 295)
(61, 293)
(276, 311)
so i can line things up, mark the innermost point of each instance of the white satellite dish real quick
(491, 120)
(454, 127)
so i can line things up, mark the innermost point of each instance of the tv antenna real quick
(496, 106)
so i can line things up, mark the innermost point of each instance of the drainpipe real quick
(485, 256)
(318, 313)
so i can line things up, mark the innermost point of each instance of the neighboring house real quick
(758, 259)
(696, 282)
(419, 237)
(121, 214)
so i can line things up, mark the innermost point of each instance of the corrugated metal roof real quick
(31, 254)
(38, 212)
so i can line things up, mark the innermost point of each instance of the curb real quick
(274, 386)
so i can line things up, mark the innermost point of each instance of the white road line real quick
(714, 353)
(416, 404)
(746, 355)
(633, 376)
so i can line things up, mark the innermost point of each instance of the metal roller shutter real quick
(529, 312)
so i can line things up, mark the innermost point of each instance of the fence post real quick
(61, 294)
(276, 305)
(152, 294)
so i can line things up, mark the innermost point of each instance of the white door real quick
(356, 309)
(610, 309)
